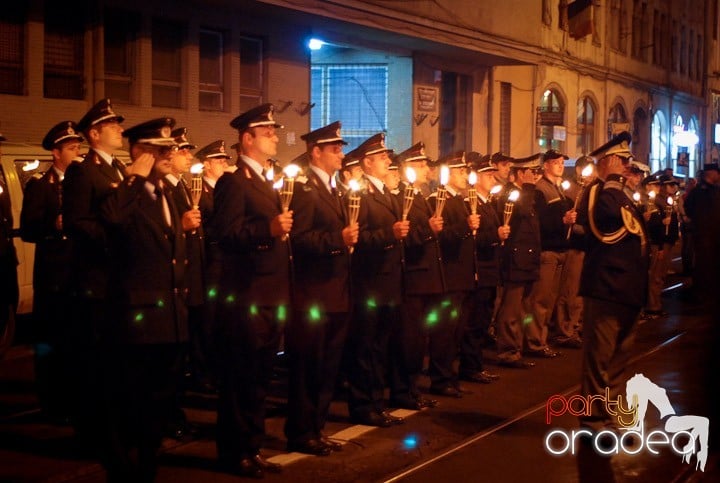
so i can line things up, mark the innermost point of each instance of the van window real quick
(27, 168)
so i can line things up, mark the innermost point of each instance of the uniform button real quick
(186, 261)
(175, 290)
(174, 261)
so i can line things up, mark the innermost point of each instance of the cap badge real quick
(337, 132)
(221, 148)
(270, 115)
(165, 131)
(422, 151)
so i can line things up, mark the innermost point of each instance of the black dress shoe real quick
(427, 402)
(391, 418)
(333, 445)
(245, 467)
(517, 364)
(447, 391)
(546, 353)
(462, 389)
(266, 465)
(310, 446)
(371, 419)
(478, 377)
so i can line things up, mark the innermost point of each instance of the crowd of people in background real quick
(186, 272)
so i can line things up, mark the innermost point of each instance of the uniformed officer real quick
(458, 257)
(85, 186)
(556, 214)
(519, 264)
(254, 297)
(377, 287)
(350, 170)
(315, 336)
(480, 305)
(614, 278)
(41, 223)
(147, 324)
(9, 290)
(424, 285)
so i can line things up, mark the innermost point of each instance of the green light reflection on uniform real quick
(527, 320)
(254, 309)
(161, 303)
(445, 304)
(230, 299)
(139, 317)
(371, 304)
(281, 313)
(212, 293)
(454, 313)
(314, 314)
(432, 318)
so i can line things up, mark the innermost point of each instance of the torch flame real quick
(472, 178)
(291, 170)
(514, 195)
(270, 174)
(670, 200)
(587, 170)
(410, 175)
(651, 195)
(496, 189)
(196, 168)
(354, 185)
(31, 165)
(636, 196)
(444, 175)
(565, 184)
(278, 184)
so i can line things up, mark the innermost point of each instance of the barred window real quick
(121, 29)
(64, 53)
(12, 48)
(355, 94)
(167, 43)
(211, 45)
(251, 72)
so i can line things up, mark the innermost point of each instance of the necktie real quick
(186, 190)
(119, 167)
(163, 202)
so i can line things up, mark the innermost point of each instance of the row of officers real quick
(355, 263)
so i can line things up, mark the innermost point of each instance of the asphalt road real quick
(495, 434)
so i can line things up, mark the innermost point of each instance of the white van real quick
(18, 163)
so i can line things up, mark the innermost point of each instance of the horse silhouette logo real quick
(639, 391)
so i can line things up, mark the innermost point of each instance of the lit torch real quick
(636, 197)
(285, 186)
(353, 204)
(472, 195)
(442, 191)
(509, 205)
(196, 184)
(409, 194)
(668, 212)
(584, 175)
(494, 191)
(651, 202)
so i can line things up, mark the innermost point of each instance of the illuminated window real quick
(658, 142)
(550, 113)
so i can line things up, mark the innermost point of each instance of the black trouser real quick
(139, 401)
(250, 338)
(444, 327)
(479, 308)
(314, 345)
(366, 356)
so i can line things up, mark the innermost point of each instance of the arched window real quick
(678, 125)
(659, 142)
(617, 120)
(693, 150)
(551, 121)
(585, 126)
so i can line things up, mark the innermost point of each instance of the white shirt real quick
(254, 165)
(377, 183)
(324, 177)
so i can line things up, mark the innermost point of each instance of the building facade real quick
(516, 76)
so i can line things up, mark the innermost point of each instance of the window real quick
(505, 116)
(251, 72)
(453, 112)
(637, 29)
(167, 43)
(551, 112)
(355, 94)
(64, 52)
(657, 39)
(12, 48)
(585, 125)
(615, 21)
(617, 120)
(658, 143)
(121, 28)
(211, 70)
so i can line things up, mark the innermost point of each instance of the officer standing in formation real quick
(41, 222)
(614, 278)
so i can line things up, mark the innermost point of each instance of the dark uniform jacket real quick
(195, 276)
(9, 292)
(551, 206)
(423, 259)
(149, 269)
(85, 186)
(457, 244)
(520, 257)
(377, 270)
(321, 259)
(656, 227)
(256, 265)
(487, 244)
(42, 202)
(616, 263)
